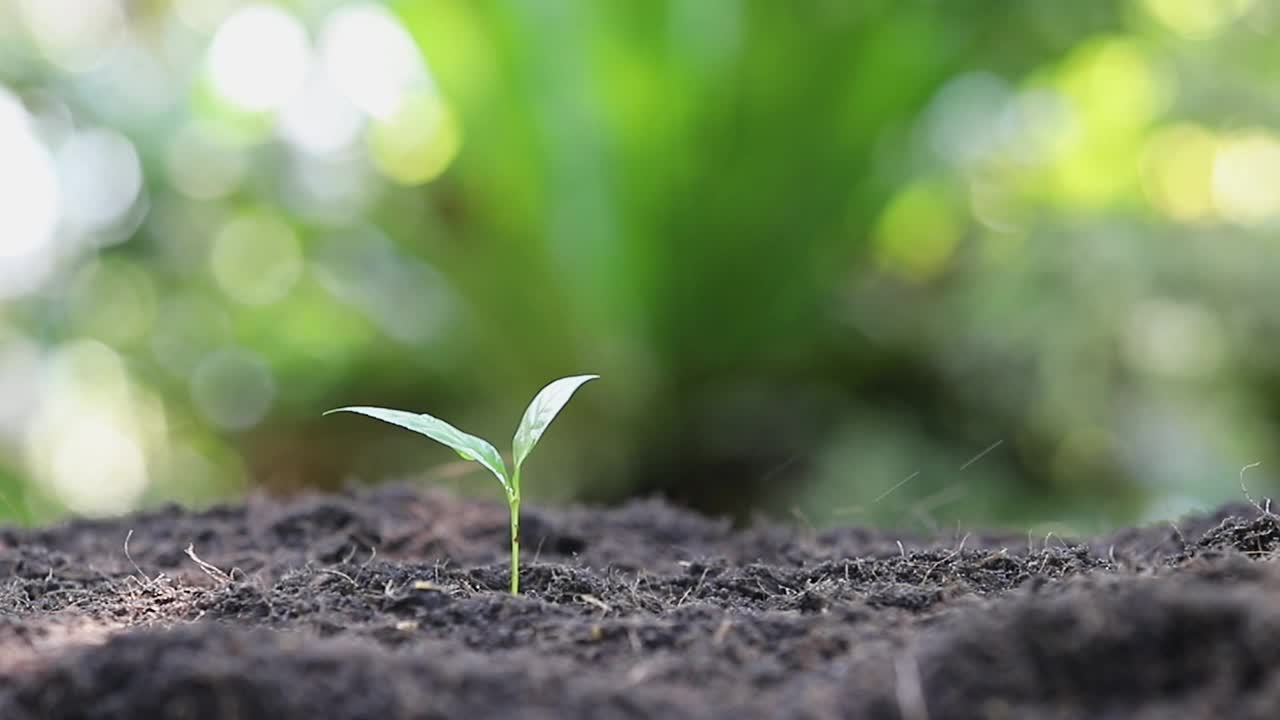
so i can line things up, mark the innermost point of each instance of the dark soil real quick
(391, 603)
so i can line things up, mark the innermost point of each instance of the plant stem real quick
(515, 546)
(513, 500)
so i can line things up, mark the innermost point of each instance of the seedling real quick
(544, 408)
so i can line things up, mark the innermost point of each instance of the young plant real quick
(541, 411)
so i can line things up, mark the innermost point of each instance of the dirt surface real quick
(390, 603)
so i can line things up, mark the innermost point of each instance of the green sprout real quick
(541, 411)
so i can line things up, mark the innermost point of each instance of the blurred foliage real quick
(903, 262)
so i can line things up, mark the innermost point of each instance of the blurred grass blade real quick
(469, 447)
(544, 408)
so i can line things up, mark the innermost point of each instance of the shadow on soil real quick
(390, 603)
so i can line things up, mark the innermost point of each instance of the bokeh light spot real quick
(1246, 177)
(134, 80)
(417, 143)
(319, 120)
(187, 328)
(100, 169)
(233, 388)
(28, 184)
(74, 34)
(1114, 92)
(963, 117)
(1174, 339)
(371, 58)
(202, 165)
(112, 300)
(918, 232)
(1196, 19)
(259, 58)
(1113, 84)
(87, 444)
(256, 259)
(21, 360)
(332, 189)
(29, 200)
(1177, 170)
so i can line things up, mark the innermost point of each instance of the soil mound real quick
(390, 603)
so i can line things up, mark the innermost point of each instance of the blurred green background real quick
(911, 263)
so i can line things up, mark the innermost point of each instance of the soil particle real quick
(391, 603)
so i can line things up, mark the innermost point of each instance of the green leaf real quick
(468, 447)
(544, 408)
